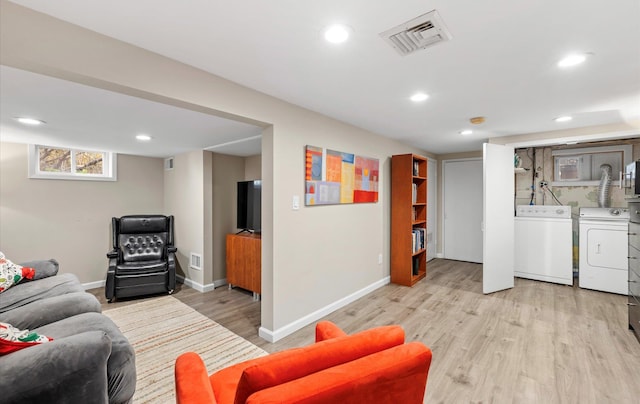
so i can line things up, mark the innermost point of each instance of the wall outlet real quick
(379, 258)
(543, 184)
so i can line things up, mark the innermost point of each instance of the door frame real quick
(432, 220)
(443, 196)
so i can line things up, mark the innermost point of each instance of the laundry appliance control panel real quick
(543, 211)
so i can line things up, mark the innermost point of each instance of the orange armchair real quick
(371, 366)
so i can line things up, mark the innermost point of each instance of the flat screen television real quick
(249, 206)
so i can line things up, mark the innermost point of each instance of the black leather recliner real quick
(143, 258)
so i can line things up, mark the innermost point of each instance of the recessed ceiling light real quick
(466, 132)
(30, 121)
(572, 60)
(563, 119)
(337, 33)
(418, 97)
(143, 138)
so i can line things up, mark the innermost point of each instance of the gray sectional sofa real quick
(88, 361)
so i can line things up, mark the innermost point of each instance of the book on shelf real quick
(413, 214)
(415, 264)
(419, 239)
(413, 241)
(414, 193)
(416, 168)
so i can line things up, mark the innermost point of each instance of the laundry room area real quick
(571, 213)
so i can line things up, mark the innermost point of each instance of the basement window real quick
(46, 162)
(580, 167)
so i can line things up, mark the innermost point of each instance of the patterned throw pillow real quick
(11, 273)
(13, 339)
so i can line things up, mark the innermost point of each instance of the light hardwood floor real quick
(535, 343)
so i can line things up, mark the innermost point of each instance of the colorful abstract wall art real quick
(334, 177)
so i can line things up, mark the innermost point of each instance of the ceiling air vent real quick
(418, 33)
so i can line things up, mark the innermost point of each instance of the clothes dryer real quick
(603, 249)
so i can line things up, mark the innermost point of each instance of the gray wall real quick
(253, 168)
(71, 220)
(227, 171)
(184, 198)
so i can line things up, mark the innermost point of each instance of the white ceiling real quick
(90, 118)
(500, 63)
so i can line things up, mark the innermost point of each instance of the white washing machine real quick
(603, 249)
(544, 243)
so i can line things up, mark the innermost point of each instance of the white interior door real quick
(499, 225)
(462, 209)
(432, 175)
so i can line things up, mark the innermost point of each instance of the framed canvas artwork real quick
(335, 177)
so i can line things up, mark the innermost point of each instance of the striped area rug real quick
(161, 329)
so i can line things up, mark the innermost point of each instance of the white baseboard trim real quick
(273, 336)
(195, 285)
(93, 285)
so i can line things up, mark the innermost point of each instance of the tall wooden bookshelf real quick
(408, 219)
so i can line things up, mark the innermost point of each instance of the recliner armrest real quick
(328, 330)
(171, 261)
(51, 309)
(109, 286)
(71, 369)
(192, 380)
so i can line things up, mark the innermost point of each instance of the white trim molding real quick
(93, 285)
(198, 286)
(273, 336)
(194, 285)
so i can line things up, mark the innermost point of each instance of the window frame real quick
(627, 158)
(109, 165)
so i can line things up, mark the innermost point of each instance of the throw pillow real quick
(13, 339)
(11, 273)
